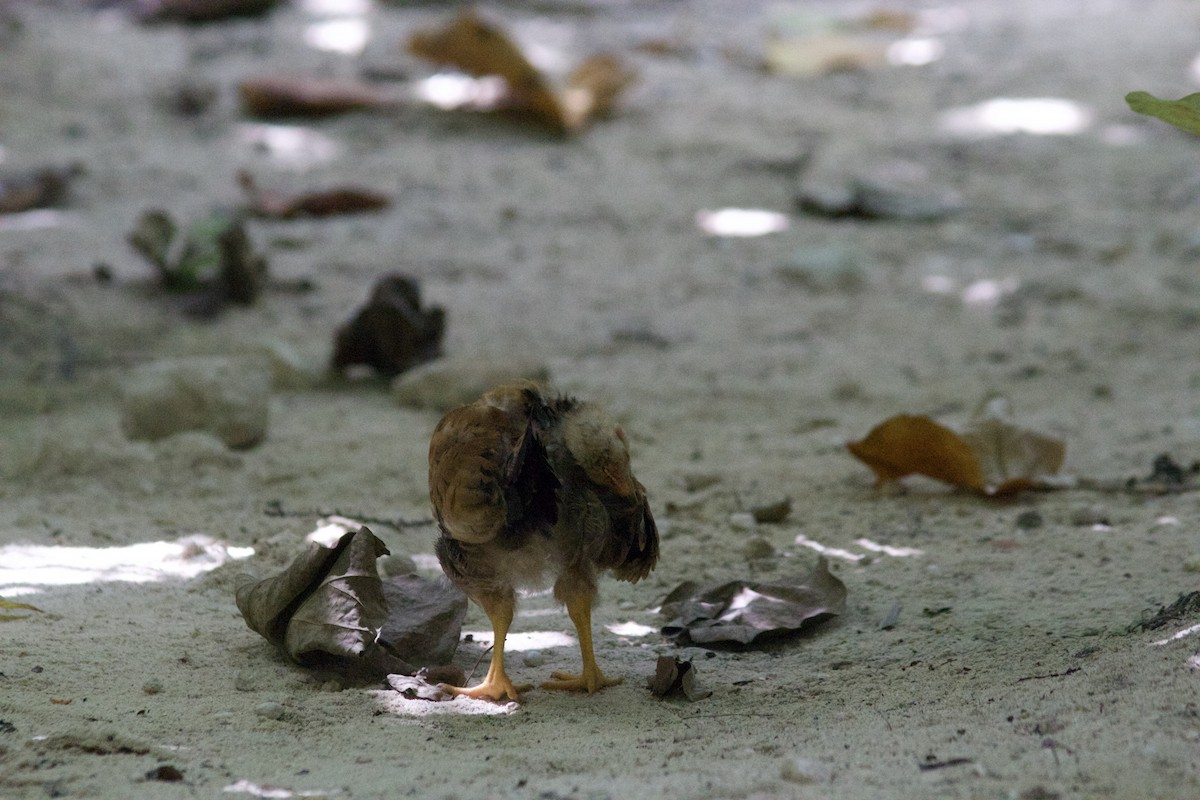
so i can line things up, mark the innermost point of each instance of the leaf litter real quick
(994, 456)
(481, 49)
(335, 200)
(674, 677)
(330, 609)
(741, 612)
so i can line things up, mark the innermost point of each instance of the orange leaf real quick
(909, 444)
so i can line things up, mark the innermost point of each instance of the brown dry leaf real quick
(42, 187)
(392, 332)
(198, 11)
(478, 48)
(908, 444)
(294, 96)
(674, 677)
(319, 203)
(1010, 458)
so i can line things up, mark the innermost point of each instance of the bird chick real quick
(529, 489)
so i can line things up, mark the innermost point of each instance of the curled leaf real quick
(328, 602)
(476, 47)
(392, 332)
(318, 203)
(744, 612)
(1010, 457)
(908, 444)
(674, 677)
(1183, 113)
(424, 619)
(16, 606)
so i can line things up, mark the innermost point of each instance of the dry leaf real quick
(416, 687)
(36, 188)
(424, 619)
(993, 457)
(292, 96)
(675, 678)
(328, 603)
(320, 203)
(391, 333)
(908, 445)
(16, 606)
(1010, 458)
(196, 11)
(478, 48)
(743, 612)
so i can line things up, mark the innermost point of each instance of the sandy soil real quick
(739, 367)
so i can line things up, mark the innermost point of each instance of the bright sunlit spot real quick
(25, 565)
(866, 544)
(265, 790)
(335, 8)
(741, 222)
(346, 36)
(1001, 116)
(915, 51)
(37, 219)
(1188, 631)
(630, 628)
(887, 549)
(291, 145)
(453, 90)
(529, 640)
(825, 550)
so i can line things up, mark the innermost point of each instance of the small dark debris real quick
(1028, 520)
(772, 512)
(675, 678)
(165, 773)
(1166, 471)
(41, 187)
(199, 11)
(936, 612)
(932, 762)
(1185, 606)
(6, 726)
(391, 333)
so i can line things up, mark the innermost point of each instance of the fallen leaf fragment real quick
(1011, 458)
(745, 612)
(416, 687)
(1183, 113)
(675, 678)
(424, 619)
(294, 96)
(479, 48)
(392, 332)
(916, 445)
(16, 606)
(319, 203)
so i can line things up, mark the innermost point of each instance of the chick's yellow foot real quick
(590, 682)
(494, 689)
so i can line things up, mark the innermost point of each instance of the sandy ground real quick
(739, 367)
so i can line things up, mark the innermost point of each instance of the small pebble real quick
(758, 547)
(1085, 514)
(270, 710)
(246, 680)
(1028, 520)
(533, 658)
(152, 686)
(742, 521)
(803, 770)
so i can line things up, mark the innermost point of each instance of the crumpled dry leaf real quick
(391, 333)
(416, 687)
(743, 612)
(1010, 458)
(425, 619)
(993, 457)
(36, 188)
(294, 96)
(319, 203)
(328, 602)
(675, 678)
(478, 48)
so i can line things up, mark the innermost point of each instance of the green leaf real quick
(1183, 113)
(10, 604)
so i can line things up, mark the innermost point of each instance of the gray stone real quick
(451, 382)
(227, 397)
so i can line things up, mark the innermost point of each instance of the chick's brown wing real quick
(488, 476)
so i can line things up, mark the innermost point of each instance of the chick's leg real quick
(590, 679)
(496, 685)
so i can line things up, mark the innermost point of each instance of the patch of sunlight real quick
(888, 550)
(742, 599)
(36, 219)
(265, 790)
(916, 51)
(1188, 631)
(987, 292)
(450, 91)
(426, 561)
(825, 550)
(400, 705)
(335, 8)
(631, 628)
(29, 565)
(1004, 116)
(346, 36)
(330, 529)
(291, 145)
(530, 640)
(740, 222)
